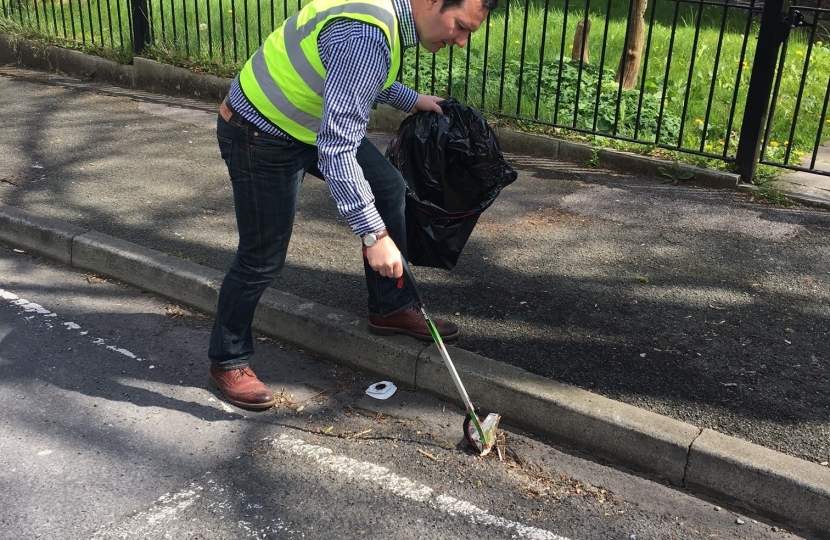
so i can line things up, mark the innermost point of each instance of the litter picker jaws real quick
(480, 434)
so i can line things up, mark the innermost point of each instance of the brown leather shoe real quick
(242, 388)
(411, 322)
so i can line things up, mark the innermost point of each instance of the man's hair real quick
(489, 5)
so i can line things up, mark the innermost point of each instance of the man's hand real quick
(385, 258)
(428, 103)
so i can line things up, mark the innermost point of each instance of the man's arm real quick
(356, 67)
(398, 96)
(357, 61)
(406, 99)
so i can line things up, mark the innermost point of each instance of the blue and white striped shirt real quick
(357, 59)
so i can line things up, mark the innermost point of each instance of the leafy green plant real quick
(674, 175)
(771, 195)
(593, 161)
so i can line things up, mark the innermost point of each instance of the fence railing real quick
(550, 62)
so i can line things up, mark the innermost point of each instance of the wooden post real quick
(580, 47)
(633, 50)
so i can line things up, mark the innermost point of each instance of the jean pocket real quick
(225, 149)
(259, 140)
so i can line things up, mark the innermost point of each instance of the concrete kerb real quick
(91, 68)
(762, 480)
(315, 328)
(166, 79)
(621, 433)
(341, 337)
(35, 55)
(804, 199)
(8, 49)
(649, 166)
(148, 269)
(531, 145)
(41, 235)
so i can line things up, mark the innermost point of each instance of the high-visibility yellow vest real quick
(284, 79)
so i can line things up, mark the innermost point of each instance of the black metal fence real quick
(741, 81)
(809, 108)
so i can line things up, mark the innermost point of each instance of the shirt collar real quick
(406, 23)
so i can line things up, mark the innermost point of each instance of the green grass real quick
(515, 80)
(771, 195)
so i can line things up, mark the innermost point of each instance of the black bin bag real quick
(454, 170)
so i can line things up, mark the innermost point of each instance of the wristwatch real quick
(371, 239)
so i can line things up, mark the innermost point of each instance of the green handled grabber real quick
(480, 434)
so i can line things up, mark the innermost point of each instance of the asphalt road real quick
(109, 431)
(701, 305)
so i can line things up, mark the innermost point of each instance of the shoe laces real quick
(242, 372)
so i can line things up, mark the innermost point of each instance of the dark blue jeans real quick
(266, 173)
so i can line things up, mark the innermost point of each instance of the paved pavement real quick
(694, 321)
(804, 184)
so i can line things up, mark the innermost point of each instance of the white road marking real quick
(225, 407)
(220, 500)
(30, 307)
(403, 487)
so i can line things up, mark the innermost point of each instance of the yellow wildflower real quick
(799, 53)
(708, 146)
(230, 11)
(745, 65)
(818, 43)
(698, 121)
(799, 153)
(516, 42)
(773, 144)
(721, 143)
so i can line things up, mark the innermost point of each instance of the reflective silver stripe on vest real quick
(293, 37)
(277, 97)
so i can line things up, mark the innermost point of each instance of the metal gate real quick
(769, 105)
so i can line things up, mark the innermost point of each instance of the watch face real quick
(370, 239)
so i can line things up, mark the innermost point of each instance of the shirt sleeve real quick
(399, 96)
(357, 62)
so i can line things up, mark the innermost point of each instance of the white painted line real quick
(225, 407)
(221, 500)
(30, 307)
(405, 488)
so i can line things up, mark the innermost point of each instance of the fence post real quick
(141, 25)
(772, 33)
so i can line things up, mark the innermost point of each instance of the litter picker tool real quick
(480, 434)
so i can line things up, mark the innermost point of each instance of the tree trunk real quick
(580, 47)
(633, 50)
